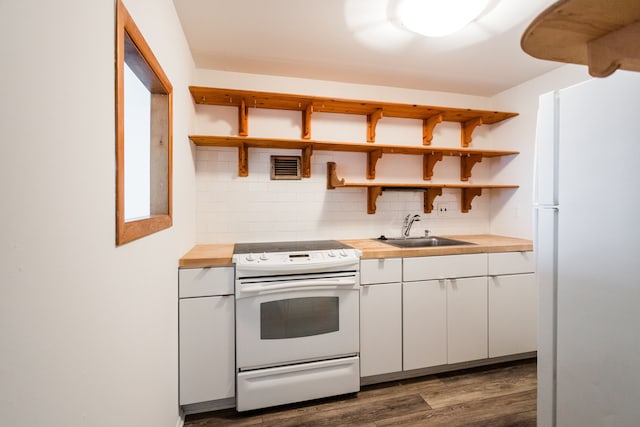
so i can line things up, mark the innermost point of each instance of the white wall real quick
(254, 208)
(88, 331)
(512, 212)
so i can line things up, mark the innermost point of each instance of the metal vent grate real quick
(285, 167)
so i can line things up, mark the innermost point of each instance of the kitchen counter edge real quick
(219, 255)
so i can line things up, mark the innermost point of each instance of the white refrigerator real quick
(587, 242)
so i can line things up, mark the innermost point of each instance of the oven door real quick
(287, 322)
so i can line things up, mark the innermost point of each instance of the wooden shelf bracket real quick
(467, 129)
(609, 52)
(429, 196)
(332, 178)
(466, 164)
(307, 151)
(372, 196)
(306, 121)
(243, 119)
(428, 162)
(467, 197)
(243, 160)
(372, 122)
(372, 160)
(428, 125)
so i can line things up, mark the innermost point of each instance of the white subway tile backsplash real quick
(228, 156)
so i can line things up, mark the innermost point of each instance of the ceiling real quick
(362, 41)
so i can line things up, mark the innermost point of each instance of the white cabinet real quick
(444, 267)
(510, 263)
(430, 311)
(383, 270)
(202, 282)
(466, 319)
(206, 328)
(424, 320)
(380, 316)
(444, 320)
(513, 307)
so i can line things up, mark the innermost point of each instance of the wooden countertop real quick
(482, 243)
(217, 255)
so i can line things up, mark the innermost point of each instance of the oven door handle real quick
(349, 263)
(301, 285)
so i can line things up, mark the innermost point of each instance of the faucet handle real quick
(426, 232)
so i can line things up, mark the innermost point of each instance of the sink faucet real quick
(408, 222)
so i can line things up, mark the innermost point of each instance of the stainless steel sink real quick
(422, 242)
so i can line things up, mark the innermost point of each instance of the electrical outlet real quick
(444, 209)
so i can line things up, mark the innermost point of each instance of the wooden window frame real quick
(149, 71)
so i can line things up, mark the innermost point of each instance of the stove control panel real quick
(286, 258)
(269, 262)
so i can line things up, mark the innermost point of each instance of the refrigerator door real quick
(545, 242)
(545, 189)
(598, 302)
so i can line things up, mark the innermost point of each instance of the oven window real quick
(298, 317)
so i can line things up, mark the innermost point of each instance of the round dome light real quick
(437, 18)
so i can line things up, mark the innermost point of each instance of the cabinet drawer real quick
(510, 263)
(383, 270)
(444, 267)
(198, 282)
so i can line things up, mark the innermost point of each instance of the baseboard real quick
(213, 405)
(395, 376)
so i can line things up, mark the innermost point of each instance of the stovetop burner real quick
(297, 246)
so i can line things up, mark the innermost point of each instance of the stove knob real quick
(343, 253)
(264, 256)
(332, 253)
(250, 257)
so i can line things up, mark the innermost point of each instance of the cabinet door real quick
(380, 329)
(207, 349)
(424, 321)
(513, 314)
(467, 319)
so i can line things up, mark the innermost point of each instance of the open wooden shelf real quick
(431, 190)
(431, 155)
(431, 116)
(469, 119)
(601, 34)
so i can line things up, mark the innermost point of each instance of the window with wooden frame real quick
(143, 135)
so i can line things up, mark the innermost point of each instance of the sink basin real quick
(422, 242)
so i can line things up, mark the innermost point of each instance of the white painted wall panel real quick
(88, 331)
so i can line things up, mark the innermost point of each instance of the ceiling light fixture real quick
(437, 18)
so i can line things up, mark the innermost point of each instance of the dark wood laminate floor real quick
(497, 396)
